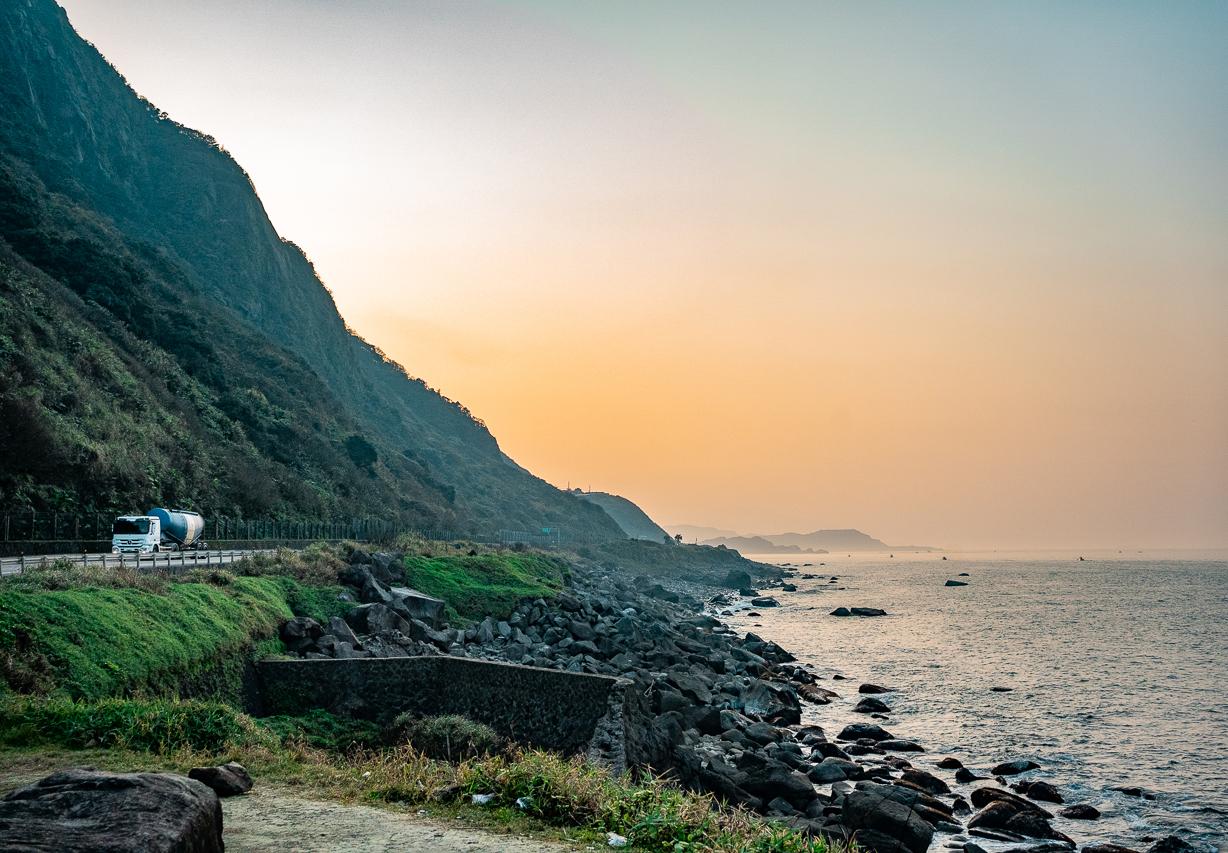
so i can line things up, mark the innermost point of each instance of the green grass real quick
(488, 584)
(157, 726)
(93, 643)
(322, 730)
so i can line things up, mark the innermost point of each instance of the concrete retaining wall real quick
(560, 711)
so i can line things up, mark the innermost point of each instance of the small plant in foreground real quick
(449, 737)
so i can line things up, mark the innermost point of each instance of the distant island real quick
(817, 542)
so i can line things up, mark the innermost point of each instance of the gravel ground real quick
(270, 819)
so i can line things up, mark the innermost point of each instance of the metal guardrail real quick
(168, 562)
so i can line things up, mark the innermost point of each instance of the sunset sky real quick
(952, 273)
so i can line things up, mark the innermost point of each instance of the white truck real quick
(158, 530)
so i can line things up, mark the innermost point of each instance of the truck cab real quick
(136, 534)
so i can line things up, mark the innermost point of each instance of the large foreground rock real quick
(112, 812)
(882, 819)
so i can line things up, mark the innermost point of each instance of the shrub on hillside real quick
(450, 737)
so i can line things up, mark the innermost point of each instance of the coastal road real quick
(168, 562)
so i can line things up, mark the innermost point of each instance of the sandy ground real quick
(272, 820)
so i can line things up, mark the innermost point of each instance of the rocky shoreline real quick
(721, 712)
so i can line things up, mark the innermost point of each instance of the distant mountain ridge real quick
(757, 545)
(817, 542)
(161, 343)
(848, 539)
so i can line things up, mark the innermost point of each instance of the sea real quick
(1116, 664)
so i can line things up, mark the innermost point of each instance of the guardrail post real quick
(22, 567)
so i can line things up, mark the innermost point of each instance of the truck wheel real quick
(157, 548)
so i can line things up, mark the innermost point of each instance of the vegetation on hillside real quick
(160, 343)
(94, 643)
(486, 584)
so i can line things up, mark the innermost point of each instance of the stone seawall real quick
(561, 711)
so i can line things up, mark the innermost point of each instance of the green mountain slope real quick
(159, 342)
(634, 521)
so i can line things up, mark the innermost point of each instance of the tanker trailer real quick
(181, 529)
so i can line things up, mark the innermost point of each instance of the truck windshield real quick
(128, 526)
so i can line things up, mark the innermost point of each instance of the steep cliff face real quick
(108, 176)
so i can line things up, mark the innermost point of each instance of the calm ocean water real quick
(1119, 670)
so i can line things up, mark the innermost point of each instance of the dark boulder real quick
(376, 619)
(874, 689)
(1009, 816)
(835, 770)
(857, 731)
(897, 745)
(1135, 791)
(226, 780)
(882, 821)
(1172, 844)
(817, 695)
(767, 779)
(927, 782)
(963, 776)
(950, 763)
(1107, 848)
(1042, 791)
(956, 583)
(870, 705)
(1014, 768)
(775, 703)
(983, 797)
(417, 605)
(764, 601)
(111, 813)
(1080, 811)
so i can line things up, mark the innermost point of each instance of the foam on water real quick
(1118, 669)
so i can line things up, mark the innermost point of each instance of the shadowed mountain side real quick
(161, 237)
(633, 520)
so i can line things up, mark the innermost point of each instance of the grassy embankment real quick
(94, 663)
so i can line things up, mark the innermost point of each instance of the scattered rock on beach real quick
(1172, 844)
(1014, 768)
(1039, 790)
(1080, 811)
(764, 601)
(858, 731)
(870, 705)
(956, 583)
(950, 763)
(874, 689)
(885, 820)
(1135, 791)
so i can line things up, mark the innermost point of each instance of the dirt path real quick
(270, 819)
(275, 819)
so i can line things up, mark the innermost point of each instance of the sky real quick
(952, 273)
